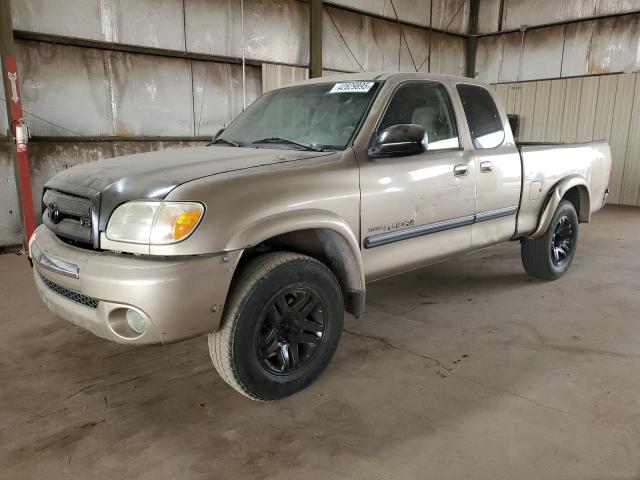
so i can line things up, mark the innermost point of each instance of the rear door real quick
(417, 209)
(497, 161)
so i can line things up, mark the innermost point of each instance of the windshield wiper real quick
(227, 142)
(306, 146)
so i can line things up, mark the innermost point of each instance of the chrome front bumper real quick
(179, 297)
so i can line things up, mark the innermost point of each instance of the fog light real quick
(135, 321)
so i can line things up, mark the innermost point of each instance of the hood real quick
(153, 175)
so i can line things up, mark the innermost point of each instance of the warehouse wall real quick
(589, 90)
(583, 109)
(516, 13)
(110, 77)
(584, 48)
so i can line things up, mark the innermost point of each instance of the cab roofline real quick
(382, 76)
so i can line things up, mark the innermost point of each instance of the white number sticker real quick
(351, 87)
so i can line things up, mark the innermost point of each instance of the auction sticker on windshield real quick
(352, 87)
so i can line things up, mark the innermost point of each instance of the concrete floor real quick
(467, 369)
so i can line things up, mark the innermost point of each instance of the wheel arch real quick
(573, 189)
(319, 234)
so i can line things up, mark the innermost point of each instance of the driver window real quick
(428, 105)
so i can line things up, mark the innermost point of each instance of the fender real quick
(556, 195)
(309, 219)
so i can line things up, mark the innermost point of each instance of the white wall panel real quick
(447, 54)
(502, 92)
(556, 108)
(619, 134)
(631, 175)
(124, 94)
(275, 30)
(526, 110)
(276, 76)
(489, 58)
(615, 45)
(416, 49)
(511, 56)
(453, 14)
(586, 48)
(587, 115)
(149, 95)
(515, 98)
(353, 42)
(217, 97)
(585, 109)
(542, 53)
(151, 23)
(577, 45)
(57, 80)
(488, 16)
(604, 107)
(526, 12)
(615, 6)
(571, 109)
(540, 110)
(539, 12)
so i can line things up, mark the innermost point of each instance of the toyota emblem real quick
(54, 213)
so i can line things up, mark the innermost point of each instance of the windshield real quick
(319, 116)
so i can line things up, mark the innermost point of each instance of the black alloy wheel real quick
(549, 256)
(290, 330)
(562, 241)
(281, 326)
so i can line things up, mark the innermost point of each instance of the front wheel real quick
(548, 257)
(281, 326)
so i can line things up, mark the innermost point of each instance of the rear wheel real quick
(281, 328)
(548, 257)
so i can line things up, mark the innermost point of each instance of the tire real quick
(270, 323)
(549, 257)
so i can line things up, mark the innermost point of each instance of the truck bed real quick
(546, 164)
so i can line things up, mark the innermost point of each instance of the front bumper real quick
(178, 297)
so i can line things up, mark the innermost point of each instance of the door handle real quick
(486, 167)
(460, 170)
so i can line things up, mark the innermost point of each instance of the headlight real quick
(156, 223)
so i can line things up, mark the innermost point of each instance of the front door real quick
(417, 209)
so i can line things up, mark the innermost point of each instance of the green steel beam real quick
(315, 38)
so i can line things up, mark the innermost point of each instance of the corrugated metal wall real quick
(582, 110)
(452, 16)
(539, 12)
(587, 47)
(593, 47)
(354, 42)
(88, 101)
(583, 68)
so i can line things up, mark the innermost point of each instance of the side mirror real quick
(400, 140)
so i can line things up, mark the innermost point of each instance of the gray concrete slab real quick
(467, 369)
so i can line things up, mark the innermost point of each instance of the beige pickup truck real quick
(264, 238)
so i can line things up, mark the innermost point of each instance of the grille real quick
(70, 294)
(68, 216)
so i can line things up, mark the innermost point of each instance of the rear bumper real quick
(178, 297)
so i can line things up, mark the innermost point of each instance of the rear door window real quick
(485, 124)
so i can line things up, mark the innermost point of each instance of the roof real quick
(373, 76)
